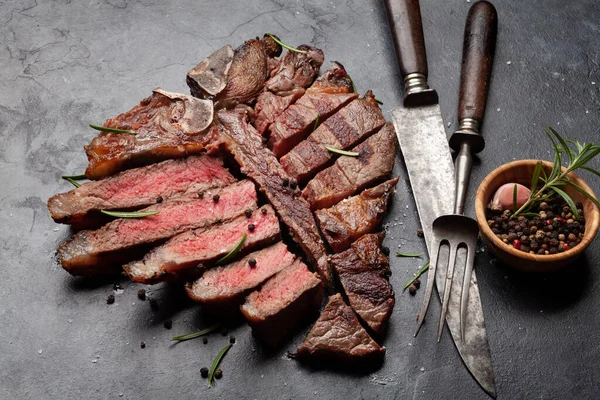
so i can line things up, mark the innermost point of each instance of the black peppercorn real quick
(252, 262)
(143, 345)
(263, 210)
(251, 227)
(201, 193)
(417, 283)
(141, 294)
(153, 304)
(205, 340)
(168, 324)
(285, 181)
(293, 184)
(216, 197)
(420, 233)
(412, 289)
(232, 339)
(218, 373)
(385, 251)
(248, 213)
(204, 372)
(159, 199)
(110, 299)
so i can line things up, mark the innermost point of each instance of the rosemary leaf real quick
(586, 194)
(74, 177)
(400, 254)
(566, 198)
(316, 124)
(215, 364)
(233, 252)
(514, 205)
(424, 268)
(129, 214)
(564, 144)
(378, 101)
(73, 181)
(343, 152)
(198, 334)
(285, 46)
(535, 178)
(113, 130)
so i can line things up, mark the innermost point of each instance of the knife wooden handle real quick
(478, 55)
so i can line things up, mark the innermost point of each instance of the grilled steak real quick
(224, 287)
(353, 123)
(351, 218)
(169, 125)
(328, 94)
(338, 337)
(296, 72)
(365, 283)
(203, 246)
(122, 240)
(349, 175)
(259, 164)
(283, 303)
(137, 188)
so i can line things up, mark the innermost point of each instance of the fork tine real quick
(447, 287)
(464, 297)
(430, 282)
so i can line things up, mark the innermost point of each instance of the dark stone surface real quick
(65, 64)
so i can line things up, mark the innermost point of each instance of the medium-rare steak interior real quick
(338, 337)
(363, 271)
(349, 175)
(188, 250)
(137, 188)
(168, 125)
(353, 217)
(225, 287)
(103, 250)
(283, 303)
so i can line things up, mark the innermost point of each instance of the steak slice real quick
(283, 303)
(169, 125)
(351, 218)
(227, 286)
(363, 271)
(328, 94)
(137, 188)
(187, 250)
(122, 240)
(338, 337)
(350, 175)
(269, 106)
(344, 129)
(260, 165)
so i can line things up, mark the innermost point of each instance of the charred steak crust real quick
(338, 337)
(284, 302)
(351, 218)
(169, 125)
(344, 129)
(259, 164)
(334, 80)
(183, 253)
(226, 287)
(137, 188)
(366, 284)
(349, 175)
(93, 252)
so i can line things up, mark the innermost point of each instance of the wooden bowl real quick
(521, 172)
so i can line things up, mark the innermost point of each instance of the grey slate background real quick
(64, 64)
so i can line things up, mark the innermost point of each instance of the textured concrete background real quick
(64, 64)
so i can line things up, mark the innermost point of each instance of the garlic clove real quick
(503, 198)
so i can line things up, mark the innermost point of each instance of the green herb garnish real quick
(578, 155)
(195, 335)
(424, 268)
(316, 122)
(400, 254)
(343, 152)
(378, 101)
(215, 364)
(233, 252)
(514, 199)
(73, 179)
(129, 214)
(285, 46)
(113, 130)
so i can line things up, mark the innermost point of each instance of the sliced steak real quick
(269, 106)
(353, 123)
(349, 175)
(260, 165)
(338, 337)
(225, 287)
(351, 218)
(284, 302)
(137, 188)
(206, 245)
(122, 240)
(328, 94)
(169, 125)
(363, 271)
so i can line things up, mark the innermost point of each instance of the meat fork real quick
(456, 230)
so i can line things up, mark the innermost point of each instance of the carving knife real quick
(424, 145)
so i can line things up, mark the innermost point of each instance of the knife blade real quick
(424, 146)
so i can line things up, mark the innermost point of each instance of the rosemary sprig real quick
(129, 214)
(198, 334)
(400, 254)
(316, 124)
(378, 101)
(343, 152)
(73, 179)
(113, 130)
(424, 268)
(233, 252)
(215, 364)
(285, 46)
(578, 155)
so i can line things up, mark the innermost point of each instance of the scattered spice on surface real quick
(285, 181)
(110, 299)
(194, 335)
(129, 214)
(143, 345)
(216, 197)
(420, 272)
(420, 233)
(417, 283)
(412, 289)
(400, 254)
(251, 227)
(385, 250)
(159, 199)
(263, 210)
(154, 305)
(215, 364)
(252, 262)
(204, 372)
(201, 193)
(248, 213)
(205, 340)
(232, 339)
(168, 324)
(218, 373)
(293, 184)
(141, 294)
(234, 251)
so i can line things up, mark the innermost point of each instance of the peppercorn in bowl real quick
(551, 235)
